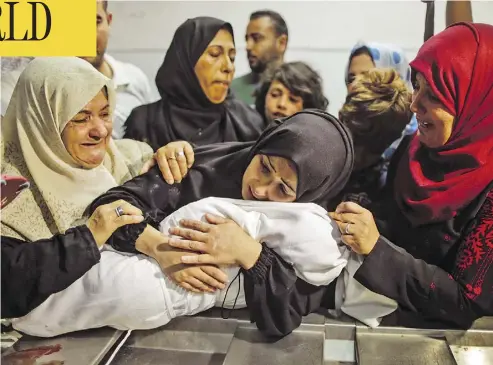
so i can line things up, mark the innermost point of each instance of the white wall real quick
(320, 33)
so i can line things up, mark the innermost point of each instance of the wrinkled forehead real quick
(281, 163)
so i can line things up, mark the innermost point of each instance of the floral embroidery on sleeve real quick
(475, 257)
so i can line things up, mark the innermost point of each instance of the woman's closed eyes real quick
(218, 51)
(268, 169)
(86, 115)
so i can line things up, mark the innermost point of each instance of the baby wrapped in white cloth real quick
(131, 292)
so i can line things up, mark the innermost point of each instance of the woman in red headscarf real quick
(440, 206)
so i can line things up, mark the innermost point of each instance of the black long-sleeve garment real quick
(32, 271)
(277, 299)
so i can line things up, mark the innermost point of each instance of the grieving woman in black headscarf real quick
(307, 157)
(194, 81)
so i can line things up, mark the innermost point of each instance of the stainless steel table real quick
(207, 339)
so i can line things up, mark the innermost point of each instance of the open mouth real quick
(422, 125)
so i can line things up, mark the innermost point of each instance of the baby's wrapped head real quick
(301, 233)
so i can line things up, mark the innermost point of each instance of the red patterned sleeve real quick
(456, 298)
(473, 267)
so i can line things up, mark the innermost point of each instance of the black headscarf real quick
(185, 112)
(317, 143)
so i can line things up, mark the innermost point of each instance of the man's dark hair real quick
(300, 79)
(278, 21)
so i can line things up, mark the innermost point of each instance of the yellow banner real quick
(48, 28)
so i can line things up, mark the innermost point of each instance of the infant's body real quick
(131, 292)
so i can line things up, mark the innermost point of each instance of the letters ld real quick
(34, 8)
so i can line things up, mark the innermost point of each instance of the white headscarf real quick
(49, 93)
(385, 56)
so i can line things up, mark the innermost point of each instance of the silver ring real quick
(119, 211)
(180, 154)
(346, 230)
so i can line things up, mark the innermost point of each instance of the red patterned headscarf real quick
(434, 184)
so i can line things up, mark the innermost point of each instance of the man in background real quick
(132, 86)
(266, 42)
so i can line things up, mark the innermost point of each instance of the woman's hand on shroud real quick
(174, 160)
(105, 220)
(357, 226)
(221, 242)
(197, 278)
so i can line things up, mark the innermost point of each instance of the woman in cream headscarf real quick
(57, 133)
